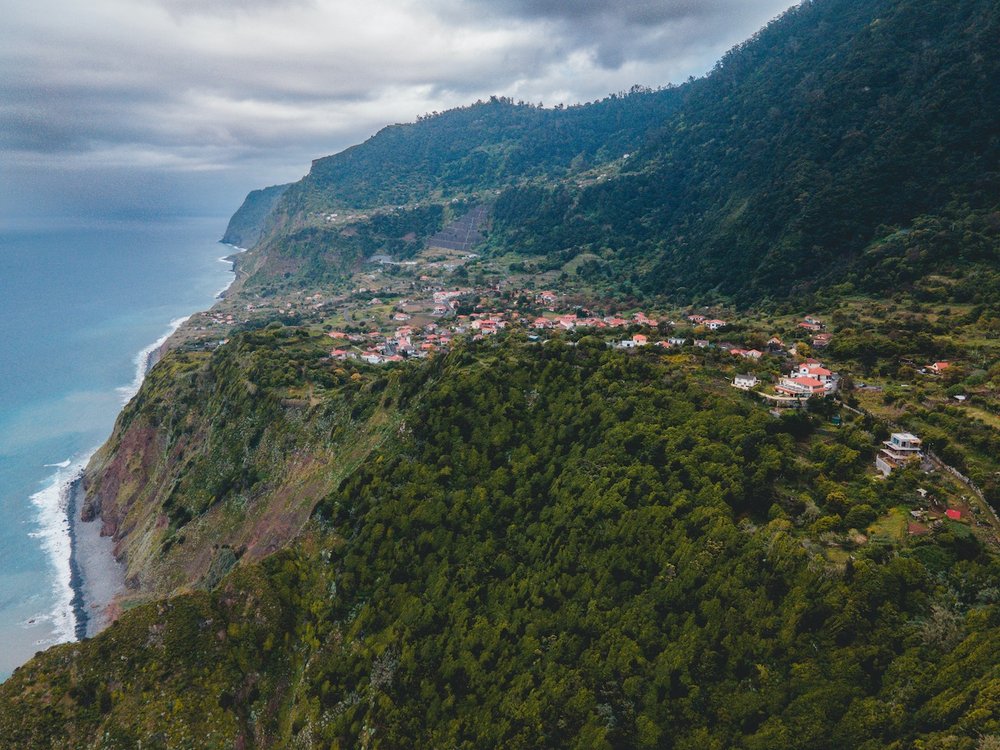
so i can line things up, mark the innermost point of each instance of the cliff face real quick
(222, 457)
(247, 224)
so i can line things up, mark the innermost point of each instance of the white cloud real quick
(226, 84)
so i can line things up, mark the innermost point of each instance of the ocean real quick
(81, 306)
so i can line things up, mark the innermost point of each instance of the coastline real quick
(96, 575)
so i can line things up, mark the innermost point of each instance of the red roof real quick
(808, 382)
(953, 514)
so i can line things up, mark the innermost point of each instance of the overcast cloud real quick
(138, 106)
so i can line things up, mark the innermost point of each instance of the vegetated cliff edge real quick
(556, 546)
(223, 456)
(247, 224)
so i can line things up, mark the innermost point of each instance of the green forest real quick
(561, 546)
(548, 542)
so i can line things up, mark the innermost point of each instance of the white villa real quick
(898, 450)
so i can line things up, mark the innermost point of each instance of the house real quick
(822, 340)
(541, 323)
(676, 341)
(774, 343)
(442, 297)
(696, 319)
(938, 367)
(745, 382)
(800, 387)
(640, 340)
(753, 353)
(401, 317)
(714, 324)
(701, 343)
(898, 450)
(641, 319)
(818, 372)
(954, 515)
(811, 326)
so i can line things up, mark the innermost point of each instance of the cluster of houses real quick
(712, 324)
(406, 342)
(572, 320)
(814, 325)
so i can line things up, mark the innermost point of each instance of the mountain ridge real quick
(580, 540)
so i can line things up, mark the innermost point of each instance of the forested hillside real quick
(556, 525)
(247, 224)
(835, 127)
(560, 546)
(794, 165)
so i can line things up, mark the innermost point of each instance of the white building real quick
(898, 450)
(745, 382)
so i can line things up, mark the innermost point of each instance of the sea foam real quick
(142, 361)
(52, 503)
(53, 533)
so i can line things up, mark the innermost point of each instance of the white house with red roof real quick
(714, 324)
(803, 387)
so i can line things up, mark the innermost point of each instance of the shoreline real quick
(96, 575)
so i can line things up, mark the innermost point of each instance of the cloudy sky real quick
(139, 107)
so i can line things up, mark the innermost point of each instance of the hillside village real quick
(389, 311)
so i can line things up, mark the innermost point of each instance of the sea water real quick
(81, 307)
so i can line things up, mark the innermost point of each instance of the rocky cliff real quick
(222, 457)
